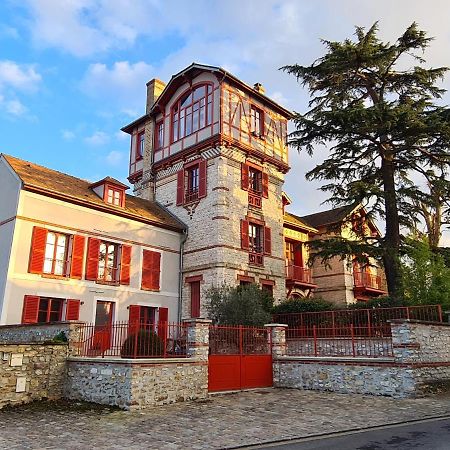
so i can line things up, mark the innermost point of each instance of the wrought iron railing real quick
(368, 280)
(298, 273)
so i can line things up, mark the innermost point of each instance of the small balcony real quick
(299, 276)
(368, 283)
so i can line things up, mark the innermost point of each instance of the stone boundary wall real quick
(31, 371)
(421, 358)
(132, 384)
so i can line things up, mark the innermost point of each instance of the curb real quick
(338, 433)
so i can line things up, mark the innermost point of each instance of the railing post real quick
(240, 340)
(353, 340)
(315, 339)
(333, 322)
(369, 323)
(136, 332)
(166, 330)
(407, 312)
(440, 312)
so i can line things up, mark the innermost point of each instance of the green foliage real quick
(428, 278)
(241, 305)
(386, 136)
(303, 305)
(60, 337)
(379, 302)
(147, 343)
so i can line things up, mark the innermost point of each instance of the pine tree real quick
(379, 117)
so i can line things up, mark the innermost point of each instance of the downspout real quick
(180, 278)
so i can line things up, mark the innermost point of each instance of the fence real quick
(134, 340)
(337, 323)
(239, 340)
(373, 342)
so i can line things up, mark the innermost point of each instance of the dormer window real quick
(111, 191)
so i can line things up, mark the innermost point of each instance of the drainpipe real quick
(180, 279)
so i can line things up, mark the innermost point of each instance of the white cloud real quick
(21, 77)
(115, 158)
(97, 139)
(12, 107)
(67, 135)
(8, 32)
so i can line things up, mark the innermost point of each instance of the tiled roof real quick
(292, 219)
(328, 217)
(75, 190)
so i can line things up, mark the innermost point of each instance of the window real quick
(256, 182)
(256, 121)
(54, 253)
(267, 285)
(256, 238)
(140, 145)
(159, 135)
(108, 262)
(255, 233)
(191, 182)
(192, 112)
(195, 299)
(48, 309)
(114, 196)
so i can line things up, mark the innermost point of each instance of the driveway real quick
(223, 421)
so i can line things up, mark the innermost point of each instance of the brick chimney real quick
(258, 87)
(154, 89)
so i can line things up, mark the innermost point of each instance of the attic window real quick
(114, 196)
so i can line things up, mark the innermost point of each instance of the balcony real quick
(300, 276)
(368, 283)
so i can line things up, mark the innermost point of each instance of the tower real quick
(213, 151)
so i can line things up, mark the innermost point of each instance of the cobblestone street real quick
(224, 421)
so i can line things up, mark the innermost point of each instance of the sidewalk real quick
(224, 421)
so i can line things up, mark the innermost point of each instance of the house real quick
(70, 250)
(207, 166)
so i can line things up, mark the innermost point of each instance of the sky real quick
(73, 72)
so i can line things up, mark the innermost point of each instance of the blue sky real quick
(73, 72)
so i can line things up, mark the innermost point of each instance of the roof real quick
(192, 71)
(329, 217)
(292, 219)
(59, 185)
(109, 180)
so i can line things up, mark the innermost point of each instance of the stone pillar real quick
(405, 345)
(198, 337)
(278, 334)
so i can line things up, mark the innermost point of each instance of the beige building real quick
(75, 250)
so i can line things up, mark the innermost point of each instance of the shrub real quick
(303, 305)
(242, 305)
(148, 344)
(379, 302)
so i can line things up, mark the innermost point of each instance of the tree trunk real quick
(391, 256)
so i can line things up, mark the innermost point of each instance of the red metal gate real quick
(239, 358)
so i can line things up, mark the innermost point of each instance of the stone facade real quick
(421, 358)
(31, 371)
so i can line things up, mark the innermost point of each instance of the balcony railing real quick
(368, 280)
(298, 274)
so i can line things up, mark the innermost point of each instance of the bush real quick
(379, 302)
(303, 305)
(148, 344)
(242, 305)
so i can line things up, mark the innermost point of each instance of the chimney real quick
(154, 89)
(258, 87)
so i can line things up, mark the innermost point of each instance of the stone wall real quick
(136, 385)
(421, 358)
(31, 371)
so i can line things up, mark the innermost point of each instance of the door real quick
(103, 326)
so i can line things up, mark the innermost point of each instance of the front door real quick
(103, 326)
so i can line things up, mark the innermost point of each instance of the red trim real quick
(37, 251)
(30, 309)
(195, 298)
(125, 263)
(151, 269)
(73, 309)
(246, 278)
(76, 267)
(92, 259)
(267, 282)
(244, 235)
(267, 241)
(180, 187)
(193, 278)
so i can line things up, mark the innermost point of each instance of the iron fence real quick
(134, 340)
(356, 343)
(239, 340)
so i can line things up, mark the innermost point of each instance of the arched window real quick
(192, 112)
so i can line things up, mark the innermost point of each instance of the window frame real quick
(158, 143)
(256, 121)
(179, 112)
(253, 247)
(191, 177)
(115, 270)
(114, 190)
(57, 234)
(140, 148)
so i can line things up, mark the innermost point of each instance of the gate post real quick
(277, 336)
(198, 337)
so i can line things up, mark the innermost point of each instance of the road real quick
(433, 434)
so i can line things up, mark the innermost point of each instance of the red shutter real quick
(265, 185)
(244, 176)
(162, 322)
(134, 318)
(37, 252)
(244, 234)
(73, 309)
(30, 309)
(125, 263)
(151, 270)
(180, 187)
(76, 267)
(195, 299)
(202, 179)
(267, 241)
(92, 259)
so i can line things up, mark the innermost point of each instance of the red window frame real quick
(256, 121)
(114, 190)
(187, 111)
(159, 135)
(192, 186)
(49, 310)
(53, 259)
(256, 238)
(140, 145)
(115, 263)
(191, 182)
